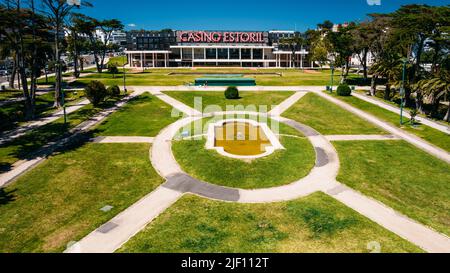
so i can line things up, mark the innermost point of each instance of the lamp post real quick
(402, 90)
(124, 79)
(332, 78)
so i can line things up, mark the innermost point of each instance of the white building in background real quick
(213, 48)
(117, 37)
(356, 62)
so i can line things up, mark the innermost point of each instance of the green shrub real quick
(344, 90)
(232, 93)
(114, 91)
(96, 92)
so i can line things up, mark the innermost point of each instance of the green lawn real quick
(22, 147)
(401, 176)
(328, 118)
(144, 115)
(216, 101)
(291, 164)
(316, 223)
(163, 77)
(119, 60)
(60, 200)
(429, 134)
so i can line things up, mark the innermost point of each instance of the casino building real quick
(167, 48)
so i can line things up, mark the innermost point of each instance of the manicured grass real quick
(328, 118)
(429, 134)
(162, 77)
(216, 101)
(60, 200)
(22, 147)
(144, 115)
(119, 60)
(401, 176)
(316, 223)
(291, 164)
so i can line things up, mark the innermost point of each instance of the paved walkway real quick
(23, 166)
(414, 140)
(176, 104)
(18, 99)
(22, 130)
(360, 137)
(285, 105)
(122, 139)
(183, 88)
(113, 234)
(418, 234)
(438, 126)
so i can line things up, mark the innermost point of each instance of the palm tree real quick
(390, 69)
(435, 90)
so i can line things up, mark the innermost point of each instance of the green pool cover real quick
(225, 82)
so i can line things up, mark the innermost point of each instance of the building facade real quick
(166, 48)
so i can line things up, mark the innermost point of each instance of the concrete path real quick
(326, 168)
(116, 232)
(418, 234)
(18, 99)
(176, 104)
(360, 137)
(414, 140)
(122, 139)
(183, 88)
(285, 105)
(22, 130)
(435, 125)
(23, 166)
(113, 234)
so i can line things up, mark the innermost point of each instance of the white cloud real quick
(132, 25)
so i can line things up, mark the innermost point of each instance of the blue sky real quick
(240, 15)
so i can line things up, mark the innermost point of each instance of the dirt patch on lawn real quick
(311, 71)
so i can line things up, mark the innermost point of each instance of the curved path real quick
(110, 236)
(325, 170)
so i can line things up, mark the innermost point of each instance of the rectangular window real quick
(211, 53)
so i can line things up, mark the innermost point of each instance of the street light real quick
(124, 79)
(332, 78)
(402, 90)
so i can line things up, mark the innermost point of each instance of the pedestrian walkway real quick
(422, 236)
(416, 141)
(110, 236)
(285, 105)
(114, 233)
(21, 167)
(435, 125)
(19, 99)
(22, 130)
(176, 104)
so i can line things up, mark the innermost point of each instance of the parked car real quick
(3, 73)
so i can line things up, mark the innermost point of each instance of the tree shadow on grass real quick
(7, 196)
(5, 167)
(34, 143)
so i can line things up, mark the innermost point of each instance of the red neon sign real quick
(220, 37)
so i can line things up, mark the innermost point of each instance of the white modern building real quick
(213, 48)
